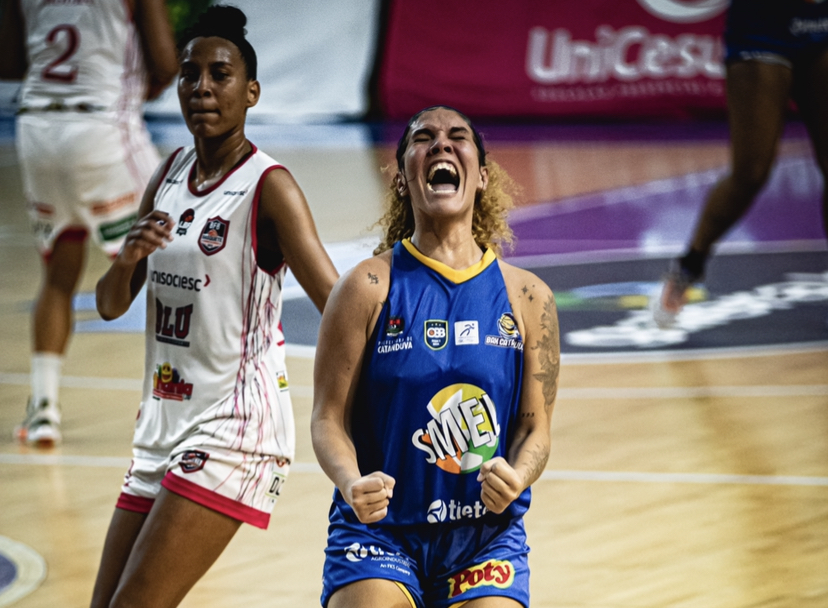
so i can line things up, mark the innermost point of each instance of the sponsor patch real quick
(172, 326)
(167, 383)
(439, 511)
(493, 573)
(507, 326)
(436, 334)
(282, 381)
(393, 346)
(117, 229)
(185, 221)
(193, 460)
(276, 484)
(508, 334)
(463, 430)
(356, 553)
(465, 332)
(394, 327)
(213, 236)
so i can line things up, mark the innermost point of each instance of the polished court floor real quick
(689, 467)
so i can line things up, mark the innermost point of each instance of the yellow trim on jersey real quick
(407, 593)
(455, 276)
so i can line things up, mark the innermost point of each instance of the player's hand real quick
(501, 484)
(369, 496)
(151, 232)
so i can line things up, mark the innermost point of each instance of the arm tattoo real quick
(374, 279)
(537, 463)
(549, 353)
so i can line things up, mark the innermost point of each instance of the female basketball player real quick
(84, 150)
(435, 378)
(775, 51)
(214, 438)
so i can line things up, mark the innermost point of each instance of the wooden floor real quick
(695, 483)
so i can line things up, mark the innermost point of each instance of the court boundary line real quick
(548, 475)
(575, 393)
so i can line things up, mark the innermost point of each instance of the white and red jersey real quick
(215, 357)
(82, 54)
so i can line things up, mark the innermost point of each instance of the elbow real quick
(104, 306)
(104, 312)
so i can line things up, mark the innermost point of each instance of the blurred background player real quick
(84, 151)
(776, 50)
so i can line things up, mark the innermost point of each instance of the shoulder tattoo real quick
(549, 353)
(373, 279)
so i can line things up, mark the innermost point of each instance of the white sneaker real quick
(41, 427)
(667, 304)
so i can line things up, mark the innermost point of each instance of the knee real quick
(748, 180)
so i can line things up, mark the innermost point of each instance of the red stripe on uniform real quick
(216, 502)
(139, 504)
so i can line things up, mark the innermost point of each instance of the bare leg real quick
(123, 530)
(368, 593)
(51, 328)
(52, 319)
(175, 547)
(757, 96)
(811, 93)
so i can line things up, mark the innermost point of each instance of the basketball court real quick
(689, 467)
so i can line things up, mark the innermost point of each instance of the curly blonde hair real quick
(490, 228)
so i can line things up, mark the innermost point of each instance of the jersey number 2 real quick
(69, 36)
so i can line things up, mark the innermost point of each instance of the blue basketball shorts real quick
(785, 32)
(439, 565)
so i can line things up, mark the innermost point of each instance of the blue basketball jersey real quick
(439, 389)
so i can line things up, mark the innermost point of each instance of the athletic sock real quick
(693, 263)
(45, 377)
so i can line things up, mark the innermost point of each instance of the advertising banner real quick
(558, 58)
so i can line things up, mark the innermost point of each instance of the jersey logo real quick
(172, 327)
(214, 235)
(167, 383)
(463, 431)
(436, 334)
(465, 332)
(274, 490)
(185, 221)
(394, 327)
(509, 336)
(493, 573)
(282, 381)
(438, 511)
(193, 460)
(112, 231)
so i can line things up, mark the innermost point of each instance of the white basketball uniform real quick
(216, 421)
(83, 147)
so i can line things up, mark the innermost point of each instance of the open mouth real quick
(442, 177)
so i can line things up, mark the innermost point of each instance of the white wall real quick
(315, 58)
